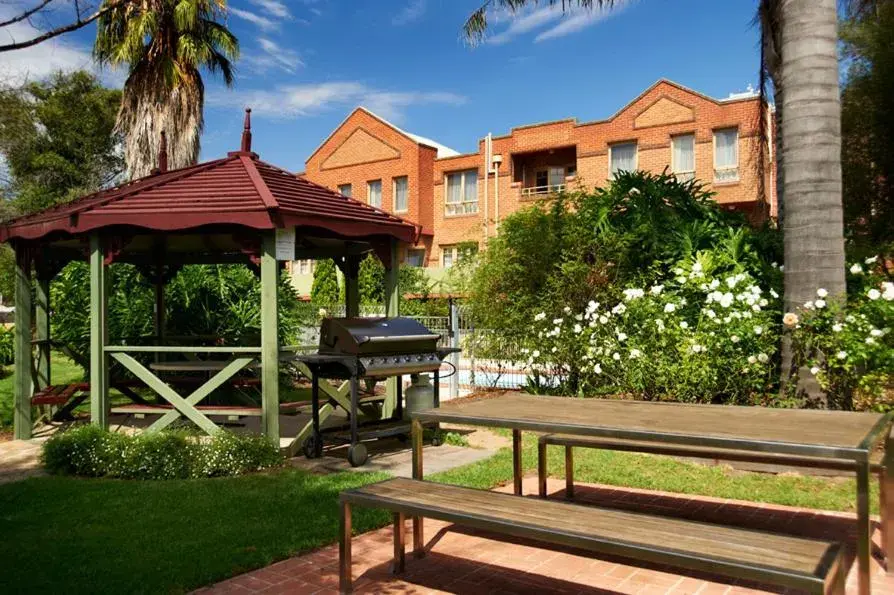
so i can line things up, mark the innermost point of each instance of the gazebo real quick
(237, 209)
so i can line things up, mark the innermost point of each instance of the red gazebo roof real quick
(239, 189)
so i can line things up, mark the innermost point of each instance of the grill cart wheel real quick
(437, 439)
(357, 455)
(313, 448)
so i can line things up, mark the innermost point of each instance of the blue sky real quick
(307, 63)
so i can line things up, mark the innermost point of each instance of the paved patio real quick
(467, 561)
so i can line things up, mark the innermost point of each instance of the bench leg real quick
(517, 462)
(863, 528)
(569, 472)
(886, 505)
(399, 530)
(344, 550)
(541, 469)
(416, 438)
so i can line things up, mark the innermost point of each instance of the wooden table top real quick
(807, 432)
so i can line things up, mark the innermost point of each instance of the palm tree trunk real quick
(813, 230)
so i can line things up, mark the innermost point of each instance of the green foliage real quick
(324, 290)
(219, 301)
(867, 130)
(7, 334)
(90, 451)
(57, 139)
(371, 280)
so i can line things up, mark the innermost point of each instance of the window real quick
(683, 157)
(416, 257)
(401, 188)
(541, 178)
(556, 176)
(374, 193)
(462, 193)
(726, 155)
(305, 267)
(622, 157)
(344, 189)
(457, 253)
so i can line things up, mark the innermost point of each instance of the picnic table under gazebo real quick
(234, 210)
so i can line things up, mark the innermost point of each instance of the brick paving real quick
(468, 561)
(20, 459)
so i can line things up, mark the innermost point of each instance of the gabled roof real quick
(442, 150)
(237, 190)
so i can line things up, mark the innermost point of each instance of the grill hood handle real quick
(397, 338)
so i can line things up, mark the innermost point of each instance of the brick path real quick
(468, 561)
(20, 459)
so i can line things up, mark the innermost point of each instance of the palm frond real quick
(475, 27)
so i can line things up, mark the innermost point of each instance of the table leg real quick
(569, 472)
(399, 558)
(315, 414)
(864, 535)
(416, 437)
(344, 550)
(355, 398)
(399, 407)
(517, 462)
(886, 504)
(541, 469)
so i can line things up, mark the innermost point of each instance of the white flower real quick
(870, 341)
(567, 309)
(635, 353)
(536, 353)
(874, 294)
(790, 319)
(763, 303)
(752, 359)
(856, 269)
(616, 356)
(597, 368)
(681, 280)
(734, 338)
(809, 305)
(822, 292)
(577, 328)
(781, 268)
(726, 300)
(888, 290)
(557, 321)
(555, 349)
(578, 317)
(710, 313)
(684, 324)
(876, 333)
(837, 327)
(697, 348)
(714, 284)
(668, 308)
(634, 190)
(540, 316)
(633, 293)
(820, 304)
(758, 330)
(678, 271)
(841, 354)
(619, 309)
(774, 294)
(814, 370)
(762, 358)
(592, 306)
(622, 337)
(603, 319)
(871, 259)
(323, 312)
(656, 289)
(755, 307)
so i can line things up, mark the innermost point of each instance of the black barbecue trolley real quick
(356, 349)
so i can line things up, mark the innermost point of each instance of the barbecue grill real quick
(355, 349)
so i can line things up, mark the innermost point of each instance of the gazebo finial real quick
(246, 132)
(163, 153)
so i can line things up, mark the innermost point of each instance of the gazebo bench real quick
(59, 400)
(811, 565)
(569, 441)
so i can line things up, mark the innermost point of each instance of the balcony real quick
(541, 173)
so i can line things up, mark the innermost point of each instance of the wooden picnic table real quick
(839, 435)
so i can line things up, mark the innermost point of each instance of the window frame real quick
(406, 206)
(420, 251)
(735, 168)
(694, 157)
(456, 253)
(350, 188)
(369, 185)
(462, 193)
(611, 148)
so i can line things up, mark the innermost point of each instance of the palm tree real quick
(799, 54)
(164, 44)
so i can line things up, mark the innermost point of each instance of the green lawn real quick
(63, 371)
(82, 535)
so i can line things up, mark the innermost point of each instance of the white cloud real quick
(274, 8)
(313, 98)
(410, 13)
(560, 21)
(273, 56)
(41, 60)
(263, 22)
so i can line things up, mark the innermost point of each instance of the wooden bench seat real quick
(228, 410)
(59, 394)
(570, 441)
(811, 565)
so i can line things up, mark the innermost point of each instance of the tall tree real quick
(799, 53)
(165, 44)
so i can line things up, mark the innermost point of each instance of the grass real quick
(63, 371)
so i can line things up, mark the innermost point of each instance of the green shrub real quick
(6, 345)
(93, 452)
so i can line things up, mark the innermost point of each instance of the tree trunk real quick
(813, 232)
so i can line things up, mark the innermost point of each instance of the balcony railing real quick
(541, 190)
(726, 175)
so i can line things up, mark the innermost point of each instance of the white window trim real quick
(369, 194)
(691, 172)
(462, 192)
(611, 176)
(394, 194)
(714, 155)
(454, 250)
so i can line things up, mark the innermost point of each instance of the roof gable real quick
(360, 147)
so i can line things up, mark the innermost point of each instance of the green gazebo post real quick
(22, 344)
(269, 338)
(392, 308)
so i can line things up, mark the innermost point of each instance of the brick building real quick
(459, 204)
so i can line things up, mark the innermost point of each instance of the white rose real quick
(758, 330)
(820, 304)
(856, 269)
(876, 333)
(714, 284)
(822, 292)
(622, 337)
(697, 348)
(888, 290)
(734, 338)
(752, 359)
(762, 358)
(577, 328)
(616, 356)
(684, 324)
(809, 305)
(841, 354)
(668, 308)
(635, 353)
(814, 370)
(536, 353)
(870, 341)
(774, 294)
(656, 289)
(597, 368)
(603, 319)
(567, 309)
(837, 327)
(874, 294)
(871, 259)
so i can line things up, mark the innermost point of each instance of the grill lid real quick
(362, 336)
